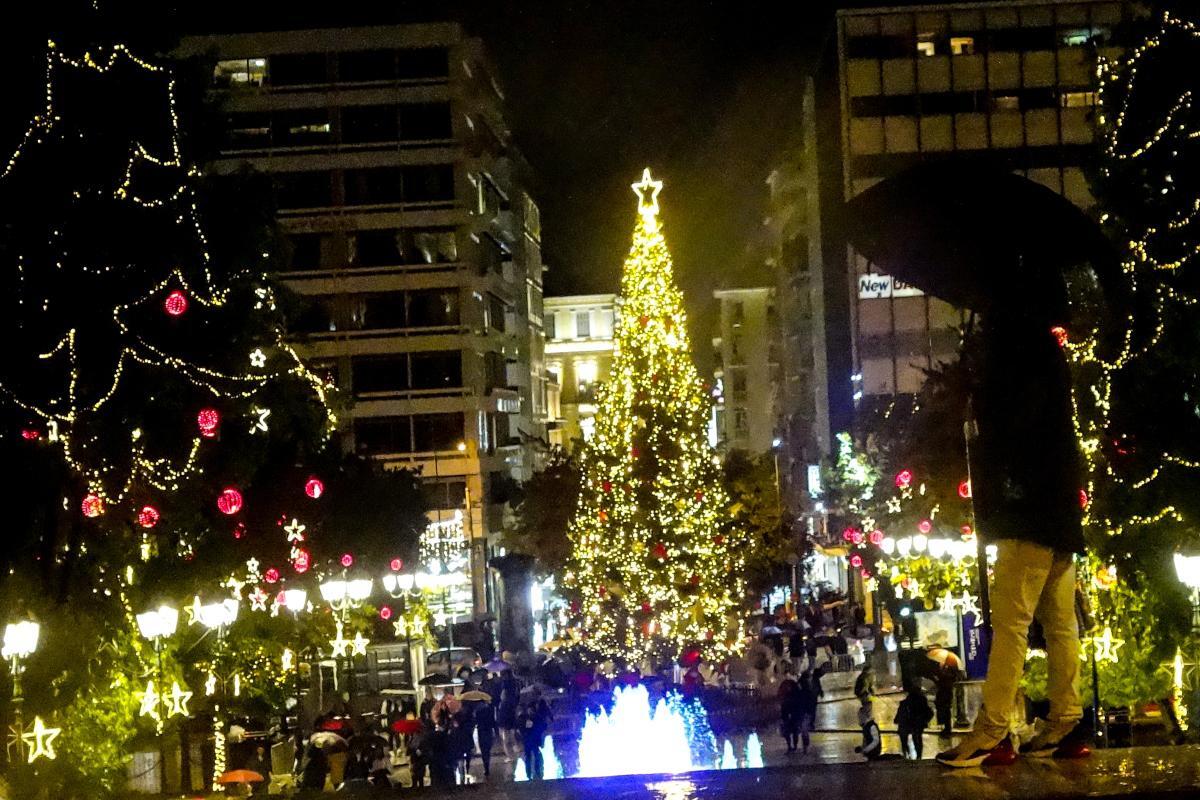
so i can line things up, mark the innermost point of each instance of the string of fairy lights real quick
(653, 567)
(67, 415)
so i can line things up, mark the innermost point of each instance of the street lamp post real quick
(1187, 568)
(20, 640)
(157, 625)
(401, 586)
(295, 600)
(217, 617)
(342, 595)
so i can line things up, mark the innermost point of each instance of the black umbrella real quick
(438, 679)
(977, 236)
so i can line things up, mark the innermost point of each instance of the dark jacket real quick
(1026, 466)
(914, 712)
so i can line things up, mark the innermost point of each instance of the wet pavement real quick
(1127, 773)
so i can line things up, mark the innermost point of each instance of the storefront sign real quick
(881, 287)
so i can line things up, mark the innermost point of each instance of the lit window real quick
(962, 45)
(926, 45)
(1006, 102)
(1076, 37)
(241, 72)
(585, 373)
(1079, 99)
(583, 324)
(741, 420)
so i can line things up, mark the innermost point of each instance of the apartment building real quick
(579, 347)
(1002, 83)
(413, 235)
(749, 371)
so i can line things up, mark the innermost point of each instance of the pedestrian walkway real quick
(1144, 772)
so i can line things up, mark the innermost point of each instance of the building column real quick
(516, 612)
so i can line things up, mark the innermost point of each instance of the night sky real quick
(705, 93)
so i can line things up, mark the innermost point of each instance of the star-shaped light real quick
(235, 584)
(893, 505)
(339, 643)
(970, 605)
(41, 741)
(252, 566)
(947, 603)
(1105, 646)
(258, 599)
(358, 647)
(193, 611)
(179, 701)
(150, 699)
(16, 741)
(287, 661)
(210, 685)
(647, 205)
(259, 424)
(258, 359)
(295, 531)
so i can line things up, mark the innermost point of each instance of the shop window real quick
(240, 72)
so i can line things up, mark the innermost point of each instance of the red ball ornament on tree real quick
(176, 303)
(606, 486)
(857, 538)
(31, 435)
(924, 526)
(271, 575)
(646, 608)
(385, 613)
(148, 517)
(866, 573)
(229, 501)
(848, 534)
(904, 479)
(856, 561)
(964, 489)
(396, 564)
(1060, 335)
(967, 530)
(574, 606)
(239, 531)
(347, 560)
(314, 488)
(633, 451)
(694, 580)
(875, 537)
(660, 551)
(208, 420)
(1083, 499)
(718, 540)
(92, 506)
(301, 562)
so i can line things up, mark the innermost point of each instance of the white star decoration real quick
(41, 740)
(258, 599)
(966, 603)
(1104, 646)
(647, 206)
(259, 424)
(252, 567)
(339, 643)
(358, 647)
(193, 611)
(210, 685)
(258, 359)
(179, 701)
(893, 505)
(295, 531)
(287, 661)
(149, 706)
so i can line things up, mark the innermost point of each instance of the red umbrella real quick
(240, 776)
(406, 726)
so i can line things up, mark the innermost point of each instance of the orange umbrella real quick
(240, 776)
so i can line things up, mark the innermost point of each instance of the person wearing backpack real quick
(912, 717)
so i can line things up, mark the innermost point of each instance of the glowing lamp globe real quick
(20, 639)
(92, 506)
(176, 303)
(919, 543)
(1187, 568)
(888, 545)
(229, 501)
(207, 420)
(148, 517)
(938, 547)
(294, 599)
(314, 488)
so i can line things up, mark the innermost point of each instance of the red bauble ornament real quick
(30, 434)
(694, 580)
(633, 451)
(866, 573)
(347, 560)
(660, 551)
(699, 496)
(1083, 499)
(239, 531)
(229, 501)
(271, 575)
(718, 539)
(606, 486)
(848, 534)
(967, 530)
(856, 561)
(207, 420)
(148, 517)
(857, 538)
(385, 613)
(92, 506)
(924, 526)
(964, 489)
(904, 479)
(646, 608)
(875, 537)
(176, 303)
(314, 488)
(574, 606)
(1060, 335)
(301, 562)
(396, 564)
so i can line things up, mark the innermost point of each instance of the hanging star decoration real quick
(947, 603)
(258, 599)
(150, 698)
(295, 531)
(179, 701)
(16, 741)
(234, 585)
(893, 505)
(210, 685)
(970, 605)
(339, 643)
(287, 661)
(358, 647)
(252, 567)
(258, 359)
(1104, 646)
(259, 424)
(193, 611)
(41, 741)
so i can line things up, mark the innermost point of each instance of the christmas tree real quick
(656, 569)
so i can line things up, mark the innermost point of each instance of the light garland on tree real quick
(654, 568)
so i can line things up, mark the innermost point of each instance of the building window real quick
(741, 420)
(240, 72)
(303, 190)
(1079, 99)
(495, 313)
(737, 380)
(1006, 102)
(367, 65)
(585, 374)
(304, 251)
(376, 374)
(583, 324)
(926, 44)
(550, 324)
(422, 63)
(425, 121)
(306, 126)
(300, 69)
(962, 45)
(369, 124)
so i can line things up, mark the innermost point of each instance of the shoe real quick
(973, 751)
(1056, 742)
(1002, 755)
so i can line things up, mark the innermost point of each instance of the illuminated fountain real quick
(634, 740)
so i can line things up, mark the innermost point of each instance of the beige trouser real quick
(1031, 580)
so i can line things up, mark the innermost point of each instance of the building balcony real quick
(341, 211)
(375, 278)
(275, 151)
